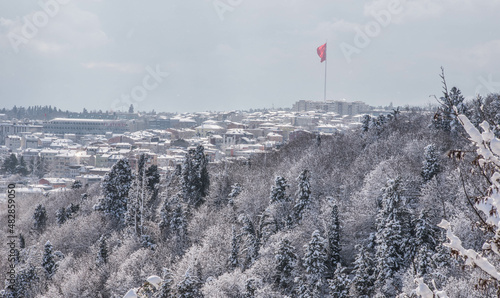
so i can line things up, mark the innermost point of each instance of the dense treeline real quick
(33, 112)
(348, 215)
(49, 112)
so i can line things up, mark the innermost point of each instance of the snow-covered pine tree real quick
(442, 260)
(340, 283)
(115, 187)
(425, 232)
(39, 218)
(334, 238)
(365, 123)
(189, 287)
(278, 191)
(102, 251)
(77, 185)
(178, 226)
(195, 178)
(165, 215)
(48, 263)
(152, 181)
(252, 240)
(71, 210)
(9, 164)
(24, 283)
(235, 249)
(315, 261)
(22, 168)
(430, 166)
(235, 191)
(423, 245)
(268, 224)
(389, 240)
(166, 289)
(445, 118)
(303, 195)
(362, 282)
(201, 163)
(458, 103)
(22, 243)
(302, 290)
(286, 261)
(61, 215)
(318, 139)
(250, 288)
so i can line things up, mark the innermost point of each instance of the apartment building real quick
(85, 126)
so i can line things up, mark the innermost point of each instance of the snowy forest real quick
(403, 206)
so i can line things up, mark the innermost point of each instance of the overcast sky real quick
(213, 55)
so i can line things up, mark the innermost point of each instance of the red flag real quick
(322, 52)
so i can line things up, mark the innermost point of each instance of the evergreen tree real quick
(278, 191)
(286, 261)
(425, 245)
(165, 215)
(425, 232)
(195, 178)
(10, 164)
(48, 263)
(189, 287)
(76, 185)
(318, 139)
(441, 260)
(131, 109)
(314, 261)
(363, 273)
(250, 288)
(22, 243)
(167, 285)
(339, 285)
(334, 238)
(423, 262)
(72, 209)
(235, 249)
(430, 166)
(153, 180)
(115, 187)
(201, 165)
(24, 283)
(303, 195)
(302, 290)
(102, 253)
(235, 191)
(268, 224)
(178, 225)
(61, 215)
(40, 218)
(390, 245)
(365, 123)
(252, 243)
(445, 118)
(21, 168)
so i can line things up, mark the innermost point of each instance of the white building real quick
(85, 126)
(13, 143)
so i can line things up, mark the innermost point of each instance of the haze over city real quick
(216, 55)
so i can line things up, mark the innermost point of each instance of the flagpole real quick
(326, 61)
